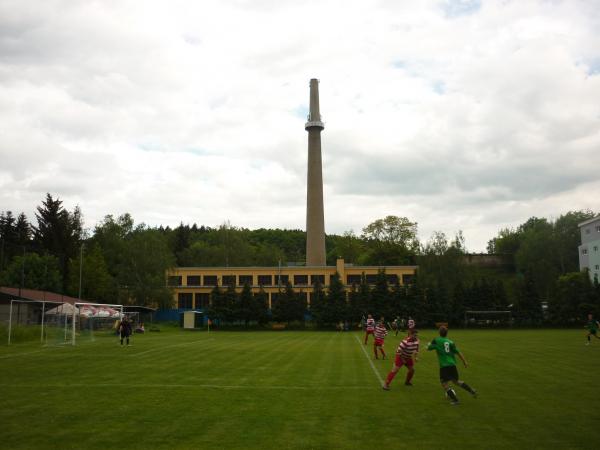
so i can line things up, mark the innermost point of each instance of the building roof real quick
(38, 296)
(587, 222)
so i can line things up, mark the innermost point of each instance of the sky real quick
(460, 115)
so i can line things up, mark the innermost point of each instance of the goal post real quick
(488, 318)
(30, 318)
(89, 318)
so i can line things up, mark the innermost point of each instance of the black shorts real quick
(593, 331)
(448, 373)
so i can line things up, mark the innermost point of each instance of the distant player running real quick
(592, 327)
(446, 349)
(380, 334)
(406, 355)
(369, 327)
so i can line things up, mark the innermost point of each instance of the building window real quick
(184, 300)
(300, 280)
(595, 248)
(174, 281)
(265, 280)
(315, 278)
(584, 251)
(371, 279)
(597, 267)
(193, 280)
(228, 280)
(245, 279)
(353, 279)
(392, 279)
(407, 278)
(281, 279)
(202, 300)
(210, 280)
(598, 228)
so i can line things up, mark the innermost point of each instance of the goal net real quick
(90, 321)
(488, 319)
(37, 320)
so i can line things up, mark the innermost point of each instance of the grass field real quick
(174, 389)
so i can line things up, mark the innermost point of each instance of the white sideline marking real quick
(170, 346)
(186, 386)
(370, 362)
(13, 355)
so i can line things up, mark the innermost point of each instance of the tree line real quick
(123, 262)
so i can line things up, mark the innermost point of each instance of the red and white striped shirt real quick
(370, 324)
(407, 348)
(380, 331)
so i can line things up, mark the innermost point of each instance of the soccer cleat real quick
(454, 402)
(408, 383)
(474, 393)
(385, 387)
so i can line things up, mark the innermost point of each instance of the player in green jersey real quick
(592, 327)
(446, 351)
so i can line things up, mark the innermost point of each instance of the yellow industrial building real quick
(192, 285)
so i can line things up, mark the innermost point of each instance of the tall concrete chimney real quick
(315, 221)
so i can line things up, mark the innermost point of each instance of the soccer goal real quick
(488, 319)
(29, 320)
(92, 320)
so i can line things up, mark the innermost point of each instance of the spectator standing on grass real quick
(406, 355)
(380, 334)
(125, 330)
(369, 327)
(446, 351)
(592, 327)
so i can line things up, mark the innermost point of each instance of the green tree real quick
(58, 233)
(260, 307)
(33, 271)
(392, 240)
(97, 284)
(336, 306)
(246, 299)
(380, 296)
(142, 272)
(528, 307)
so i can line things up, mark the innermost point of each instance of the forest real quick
(120, 261)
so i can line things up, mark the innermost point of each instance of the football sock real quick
(466, 387)
(390, 377)
(409, 376)
(589, 338)
(450, 393)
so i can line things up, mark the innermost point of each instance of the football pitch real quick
(284, 389)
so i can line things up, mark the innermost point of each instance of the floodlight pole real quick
(80, 268)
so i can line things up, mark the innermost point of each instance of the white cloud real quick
(459, 114)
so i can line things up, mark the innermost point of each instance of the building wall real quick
(200, 281)
(589, 250)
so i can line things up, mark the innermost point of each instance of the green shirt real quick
(592, 325)
(446, 349)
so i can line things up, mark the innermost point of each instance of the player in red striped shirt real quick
(406, 355)
(369, 327)
(380, 334)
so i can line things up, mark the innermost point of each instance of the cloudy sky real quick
(460, 115)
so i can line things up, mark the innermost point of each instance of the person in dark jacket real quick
(125, 329)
